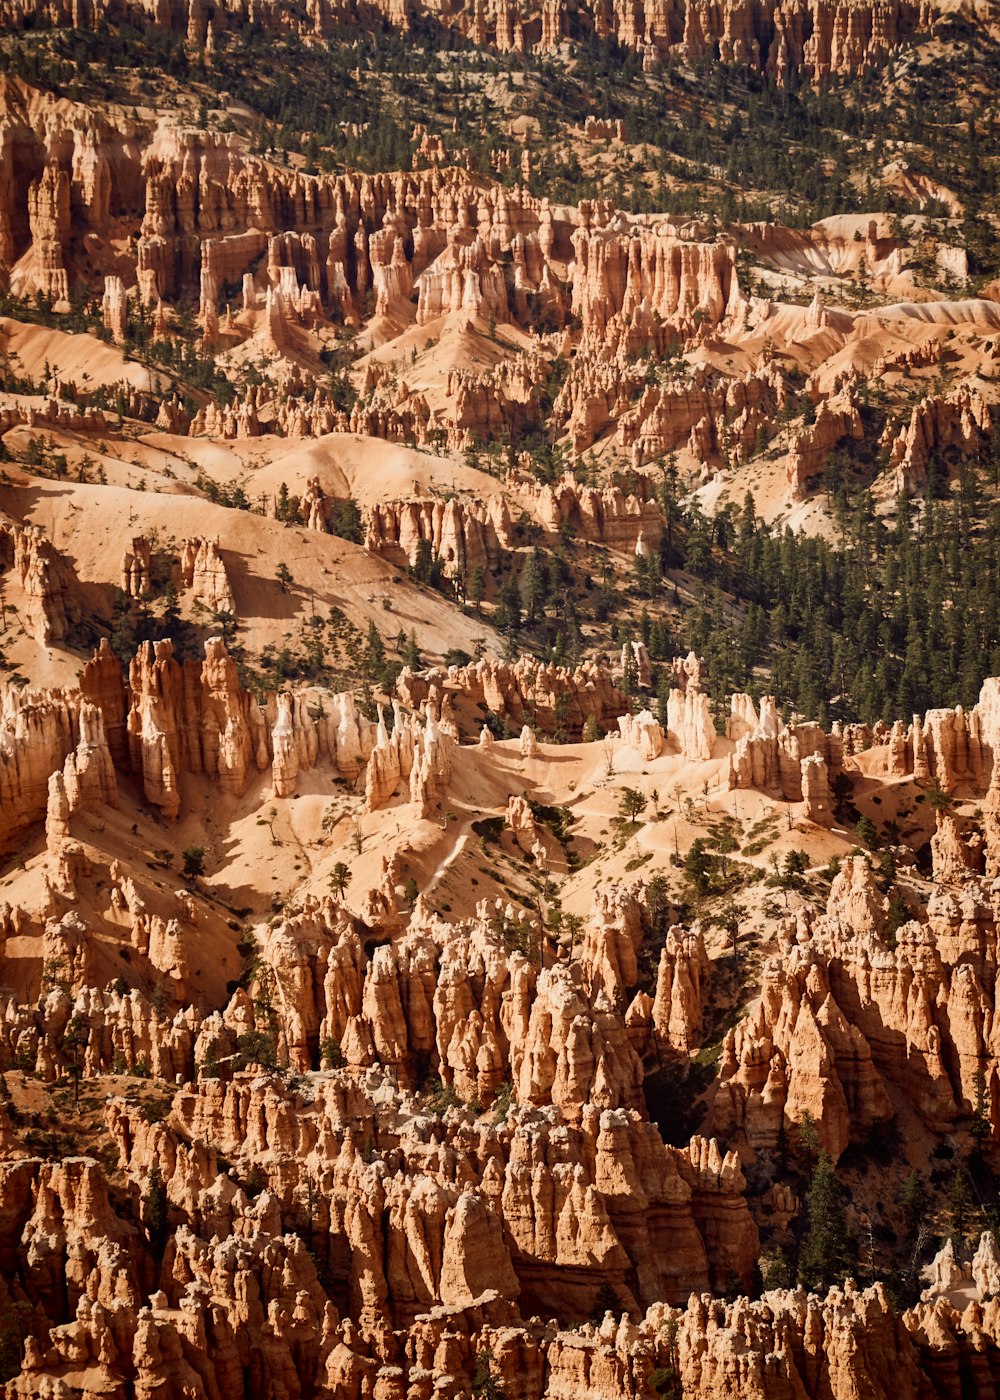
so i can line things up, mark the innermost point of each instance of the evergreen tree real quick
(171, 613)
(959, 1206)
(477, 587)
(662, 701)
(340, 878)
(423, 565)
(980, 1127)
(373, 659)
(508, 609)
(123, 638)
(486, 1385)
(533, 588)
(698, 865)
(913, 1202)
(825, 1254)
(346, 522)
(154, 1209)
(631, 803)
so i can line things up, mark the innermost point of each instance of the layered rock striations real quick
(45, 595)
(815, 38)
(456, 1139)
(195, 717)
(846, 1018)
(554, 696)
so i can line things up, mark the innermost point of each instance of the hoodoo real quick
(499, 713)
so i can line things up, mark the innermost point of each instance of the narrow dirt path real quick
(444, 865)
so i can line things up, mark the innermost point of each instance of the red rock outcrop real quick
(816, 790)
(776, 758)
(39, 731)
(689, 711)
(203, 571)
(707, 415)
(190, 718)
(816, 39)
(114, 307)
(836, 418)
(46, 594)
(195, 718)
(617, 271)
(419, 754)
(461, 534)
(611, 516)
(642, 733)
(554, 696)
(960, 420)
(834, 1025)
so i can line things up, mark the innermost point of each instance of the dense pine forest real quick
(893, 617)
(891, 614)
(717, 139)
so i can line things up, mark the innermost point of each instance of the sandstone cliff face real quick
(617, 271)
(188, 718)
(836, 418)
(432, 244)
(701, 413)
(689, 711)
(555, 696)
(39, 734)
(237, 1304)
(815, 39)
(463, 535)
(779, 759)
(46, 592)
(436, 243)
(951, 748)
(203, 571)
(643, 733)
(842, 1016)
(195, 718)
(609, 517)
(959, 420)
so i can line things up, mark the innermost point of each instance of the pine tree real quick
(629, 671)
(913, 1202)
(485, 1385)
(477, 587)
(373, 658)
(959, 1206)
(697, 865)
(123, 638)
(533, 589)
(154, 1209)
(424, 563)
(980, 1127)
(824, 1256)
(663, 701)
(631, 803)
(171, 613)
(508, 612)
(340, 878)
